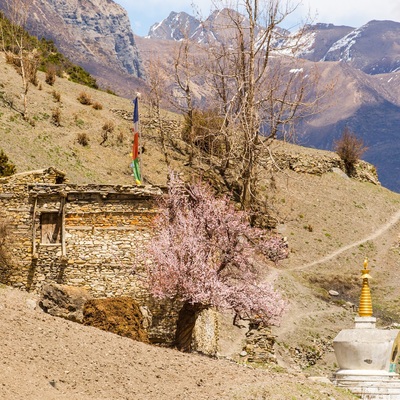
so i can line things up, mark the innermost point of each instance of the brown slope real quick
(34, 147)
(49, 358)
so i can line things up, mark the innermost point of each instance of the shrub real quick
(85, 99)
(7, 168)
(97, 106)
(108, 128)
(29, 61)
(349, 148)
(120, 138)
(56, 96)
(203, 131)
(56, 116)
(50, 75)
(83, 139)
(79, 75)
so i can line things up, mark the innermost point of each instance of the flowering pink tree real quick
(206, 254)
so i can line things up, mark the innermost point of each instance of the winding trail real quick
(395, 218)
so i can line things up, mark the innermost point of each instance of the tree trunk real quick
(184, 327)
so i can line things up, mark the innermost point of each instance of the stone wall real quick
(92, 244)
(317, 162)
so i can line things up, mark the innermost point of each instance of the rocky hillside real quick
(373, 48)
(94, 34)
(97, 35)
(176, 26)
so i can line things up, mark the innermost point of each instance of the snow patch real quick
(345, 44)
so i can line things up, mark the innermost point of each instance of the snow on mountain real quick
(373, 48)
(176, 27)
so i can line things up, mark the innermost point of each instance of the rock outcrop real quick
(95, 34)
(64, 301)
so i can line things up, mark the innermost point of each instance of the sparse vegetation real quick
(203, 130)
(50, 78)
(56, 116)
(56, 96)
(85, 99)
(48, 55)
(97, 106)
(108, 128)
(349, 148)
(6, 166)
(83, 139)
(120, 138)
(75, 158)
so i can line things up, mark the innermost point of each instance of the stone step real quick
(386, 389)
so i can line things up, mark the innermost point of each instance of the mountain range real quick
(364, 62)
(95, 34)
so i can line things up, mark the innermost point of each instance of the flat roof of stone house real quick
(51, 181)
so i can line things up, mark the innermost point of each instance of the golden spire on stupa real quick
(365, 307)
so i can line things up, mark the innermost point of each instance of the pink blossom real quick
(204, 252)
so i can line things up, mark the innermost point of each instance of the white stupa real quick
(368, 357)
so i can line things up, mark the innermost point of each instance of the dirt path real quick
(384, 228)
(277, 272)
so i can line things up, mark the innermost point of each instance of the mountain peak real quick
(176, 27)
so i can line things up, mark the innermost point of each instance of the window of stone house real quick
(50, 226)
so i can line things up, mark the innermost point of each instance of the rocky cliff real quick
(95, 34)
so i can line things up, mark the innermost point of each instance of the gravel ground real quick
(44, 357)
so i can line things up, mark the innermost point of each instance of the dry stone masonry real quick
(75, 235)
(80, 236)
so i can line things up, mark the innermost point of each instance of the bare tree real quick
(349, 148)
(184, 77)
(253, 80)
(157, 82)
(18, 50)
(259, 85)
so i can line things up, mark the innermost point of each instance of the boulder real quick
(64, 301)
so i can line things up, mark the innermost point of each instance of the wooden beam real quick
(63, 203)
(34, 253)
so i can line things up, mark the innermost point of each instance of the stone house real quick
(78, 235)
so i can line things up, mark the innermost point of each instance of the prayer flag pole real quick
(136, 160)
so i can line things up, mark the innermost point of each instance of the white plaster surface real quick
(365, 349)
